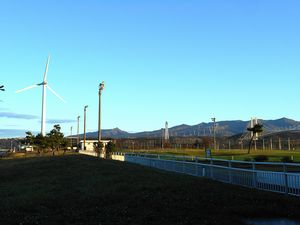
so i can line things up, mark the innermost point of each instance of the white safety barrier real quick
(282, 182)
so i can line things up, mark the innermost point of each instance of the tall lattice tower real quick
(166, 132)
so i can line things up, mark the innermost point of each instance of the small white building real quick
(90, 144)
(27, 148)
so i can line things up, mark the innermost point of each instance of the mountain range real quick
(223, 128)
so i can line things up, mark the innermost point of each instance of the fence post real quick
(254, 174)
(230, 174)
(285, 179)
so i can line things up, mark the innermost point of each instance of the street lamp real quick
(84, 136)
(101, 87)
(78, 117)
(214, 131)
(71, 138)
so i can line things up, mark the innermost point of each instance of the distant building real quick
(27, 148)
(90, 144)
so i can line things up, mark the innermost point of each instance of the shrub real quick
(261, 158)
(286, 159)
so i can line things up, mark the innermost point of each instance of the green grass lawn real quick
(273, 155)
(77, 189)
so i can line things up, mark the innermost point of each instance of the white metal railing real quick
(282, 182)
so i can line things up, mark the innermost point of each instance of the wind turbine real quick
(45, 86)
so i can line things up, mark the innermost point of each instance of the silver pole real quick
(71, 139)
(78, 138)
(214, 131)
(84, 136)
(101, 87)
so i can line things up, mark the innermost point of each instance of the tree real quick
(110, 147)
(98, 146)
(65, 143)
(41, 142)
(30, 138)
(196, 144)
(55, 138)
(256, 129)
(206, 141)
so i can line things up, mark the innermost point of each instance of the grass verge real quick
(273, 155)
(76, 189)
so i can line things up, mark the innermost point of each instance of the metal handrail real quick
(215, 159)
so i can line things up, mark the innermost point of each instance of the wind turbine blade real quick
(57, 95)
(46, 69)
(27, 88)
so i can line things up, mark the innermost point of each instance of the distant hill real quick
(223, 128)
(12, 133)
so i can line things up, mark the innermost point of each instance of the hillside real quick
(223, 128)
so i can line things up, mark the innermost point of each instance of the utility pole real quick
(162, 138)
(84, 136)
(78, 139)
(71, 139)
(264, 144)
(289, 144)
(214, 131)
(101, 87)
(271, 144)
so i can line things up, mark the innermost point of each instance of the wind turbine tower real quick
(45, 86)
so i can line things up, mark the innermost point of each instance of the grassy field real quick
(273, 155)
(76, 189)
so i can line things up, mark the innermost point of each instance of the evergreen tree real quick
(110, 147)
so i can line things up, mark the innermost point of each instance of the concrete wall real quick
(118, 157)
(90, 153)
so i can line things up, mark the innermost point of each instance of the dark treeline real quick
(204, 142)
(268, 143)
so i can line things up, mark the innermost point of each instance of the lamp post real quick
(101, 87)
(84, 135)
(214, 131)
(71, 138)
(78, 117)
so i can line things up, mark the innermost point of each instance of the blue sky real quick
(175, 61)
